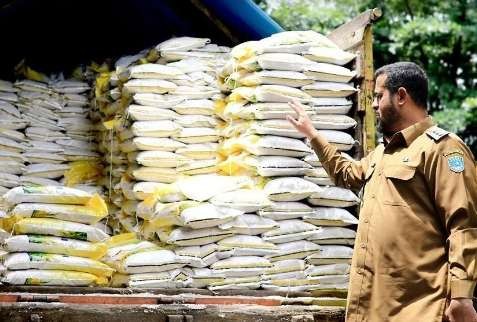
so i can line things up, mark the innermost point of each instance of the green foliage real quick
(441, 36)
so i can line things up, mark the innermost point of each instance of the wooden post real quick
(356, 36)
(367, 94)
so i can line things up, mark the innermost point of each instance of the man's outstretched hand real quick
(461, 310)
(301, 122)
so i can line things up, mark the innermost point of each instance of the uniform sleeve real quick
(345, 172)
(455, 192)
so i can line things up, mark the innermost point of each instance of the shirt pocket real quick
(398, 184)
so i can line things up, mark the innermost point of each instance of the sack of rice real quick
(269, 145)
(155, 71)
(241, 266)
(249, 224)
(153, 261)
(193, 187)
(286, 210)
(199, 256)
(271, 93)
(331, 105)
(162, 175)
(20, 261)
(290, 230)
(343, 141)
(157, 144)
(319, 176)
(244, 245)
(54, 245)
(246, 200)
(332, 122)
(329, 73)
(272, 77)
(160, 159)
(207, 215)
(285, 266)
(59, 228)
(333, 236)
(203, 277)
(328, 216)
(182, 43)
(329, 55)
(156, 86)
(328, 269)
(239, 283)
(37, 277)
(276, 61)
(150, 113)
(156, 191)
(168, 279)
(294, 250)
(91, 213)
(196, 237)
(156, 129)
(290, 189)
(334, 197)
(47, 194)
(330, 254)
(329, 89)
(200, 107)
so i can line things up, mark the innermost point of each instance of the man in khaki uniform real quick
(415, 254)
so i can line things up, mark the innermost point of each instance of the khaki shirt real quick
(416, 244)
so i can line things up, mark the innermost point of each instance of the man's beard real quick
(389, 118)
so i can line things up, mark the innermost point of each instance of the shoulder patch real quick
(436, 133)
(455, 161)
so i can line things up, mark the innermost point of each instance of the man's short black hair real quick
(408, 75)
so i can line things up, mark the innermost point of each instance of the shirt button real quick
(363, 245)
(373, 196)
(359, 271)
(366, 221)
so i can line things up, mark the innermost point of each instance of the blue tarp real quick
(58, 35)
(244, 17)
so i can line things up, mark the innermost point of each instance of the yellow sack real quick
(91, 213)
(54, 245)
(16, 261)
(52, 278)
(60, 228)
(83, 171)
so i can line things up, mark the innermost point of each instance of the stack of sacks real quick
(114, 137)
(143, 264)
(112, 128)
(60, 148)
(172, 130)
(54, 242)
(215, 229)
(262, 77)
(80, 144)
(12, 139)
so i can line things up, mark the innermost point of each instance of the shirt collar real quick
(409, 134)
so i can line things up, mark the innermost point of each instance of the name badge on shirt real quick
(455, 161)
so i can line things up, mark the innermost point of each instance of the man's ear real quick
(402, 96)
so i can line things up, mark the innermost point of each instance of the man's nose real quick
(375, 104)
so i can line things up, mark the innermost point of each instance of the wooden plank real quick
(367, 96)
(231, 300)
(60, 312)
(157, 291)
(112, 300)
(350, 34)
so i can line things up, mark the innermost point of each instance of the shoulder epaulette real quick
(436, 133)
